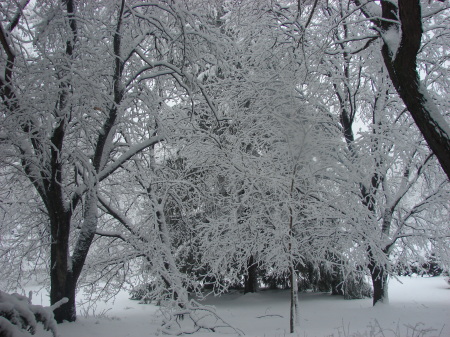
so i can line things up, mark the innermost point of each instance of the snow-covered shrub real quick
(430, 265)
(356, 287)
(142, 293)
(18, 317)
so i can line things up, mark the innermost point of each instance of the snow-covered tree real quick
(393, 164)
(184, 143)
(73, 88)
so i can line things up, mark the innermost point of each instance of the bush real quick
(431, 267)
(18, 317)
(142, 293)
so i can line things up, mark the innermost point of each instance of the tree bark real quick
(294, 310)
(251, 279)
(403, 72)
(379, 282)
(402, 68)
(62, 284)
(67, 311)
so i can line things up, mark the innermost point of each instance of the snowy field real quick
(418, 307)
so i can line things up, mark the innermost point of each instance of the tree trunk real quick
(65, 270)
(62, 284)
(293, 317)
(337, 281)
(67, 311)
(379, 281)
(251, 279)
(406, 81)
(402, 68)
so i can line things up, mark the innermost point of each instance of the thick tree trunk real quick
(379, 281)
(67, 311)
(251, 279)
(402, 67)
(65, 270)
(62, 284)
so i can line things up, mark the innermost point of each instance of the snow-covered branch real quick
(132, 151)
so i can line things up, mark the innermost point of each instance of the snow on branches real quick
(18, 316)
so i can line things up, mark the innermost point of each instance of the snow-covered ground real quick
(418, 307)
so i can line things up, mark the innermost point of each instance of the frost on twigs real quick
(18, 317)
(193, 318)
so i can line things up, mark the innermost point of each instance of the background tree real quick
(354, 85)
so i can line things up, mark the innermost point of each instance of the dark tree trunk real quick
(65, 270)
(403, 73)
(379, 281)
(402, 69)
(336, 288)
(251, 279)
(337, 282)
(61, 279)
(67, 311)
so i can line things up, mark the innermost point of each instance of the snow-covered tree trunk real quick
(402, 34)
(402, 67)
(171, 274)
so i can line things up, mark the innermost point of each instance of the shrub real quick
(18, 317)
